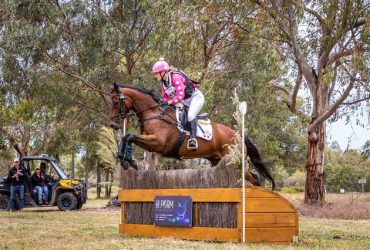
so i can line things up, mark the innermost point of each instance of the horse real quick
(159, 132)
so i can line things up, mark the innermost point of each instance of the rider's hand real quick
(169, 102)
(162, 102)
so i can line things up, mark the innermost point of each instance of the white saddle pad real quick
(204, 129)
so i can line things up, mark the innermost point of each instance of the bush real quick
(293, 190)
(296, 180)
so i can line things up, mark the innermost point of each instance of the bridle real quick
(122, 107)
(122, 115)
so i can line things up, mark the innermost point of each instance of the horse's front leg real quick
(124, 151)
(147, 142)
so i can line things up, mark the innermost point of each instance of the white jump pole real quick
(243, 111)
(123, 134)
(124, 126)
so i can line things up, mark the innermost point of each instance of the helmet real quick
(160, 66)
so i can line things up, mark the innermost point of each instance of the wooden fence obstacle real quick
(217, 214)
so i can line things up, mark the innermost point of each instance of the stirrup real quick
(192, 148)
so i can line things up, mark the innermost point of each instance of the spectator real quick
(40, 185)
(47, 177)
(16, 178)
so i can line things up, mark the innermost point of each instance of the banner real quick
(173, 211)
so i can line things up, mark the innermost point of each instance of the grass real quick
(97, 228)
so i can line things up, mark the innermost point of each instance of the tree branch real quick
(334, 57)
(289, 104)
(319, 18)
(357, 101)
(333, 108)
(12, 141)
(92, 110)
(296, 89)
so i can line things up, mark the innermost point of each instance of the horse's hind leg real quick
(253, 178)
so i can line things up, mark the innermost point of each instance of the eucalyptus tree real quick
(325, 47)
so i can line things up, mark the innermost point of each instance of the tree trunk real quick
(151, 161)
(193, 163)
(72, 167)
(106, 185)
(87, 169)
(314, 188)
(98, 181)
(110, 184)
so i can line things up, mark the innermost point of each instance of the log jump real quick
(216, 206)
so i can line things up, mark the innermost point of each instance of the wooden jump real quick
(269, 217)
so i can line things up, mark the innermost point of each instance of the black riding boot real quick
(192, 143)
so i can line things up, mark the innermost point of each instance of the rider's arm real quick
(179, 83)
(164, 95)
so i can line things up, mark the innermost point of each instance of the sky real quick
(350, 134)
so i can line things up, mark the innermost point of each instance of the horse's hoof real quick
(133, 164)
(125, 164)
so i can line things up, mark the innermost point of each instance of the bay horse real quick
(159, 132)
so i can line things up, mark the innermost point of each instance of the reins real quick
(160, 116)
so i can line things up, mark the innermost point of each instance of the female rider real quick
(178, 90)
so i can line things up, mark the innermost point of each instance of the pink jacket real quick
(176, 89)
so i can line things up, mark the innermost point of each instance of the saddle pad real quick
(204, 127)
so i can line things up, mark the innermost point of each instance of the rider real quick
(179, 90)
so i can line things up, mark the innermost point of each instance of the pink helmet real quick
(160, 66)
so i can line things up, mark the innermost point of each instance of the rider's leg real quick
(196, 104)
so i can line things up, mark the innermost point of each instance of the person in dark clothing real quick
(40, 185)
(47, 177)
(16, 178)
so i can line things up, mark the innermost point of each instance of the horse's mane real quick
(149, 92)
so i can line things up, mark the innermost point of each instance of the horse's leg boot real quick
(193, 143)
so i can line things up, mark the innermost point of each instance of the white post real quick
(243, 111)
(124, 133)
(124, 126)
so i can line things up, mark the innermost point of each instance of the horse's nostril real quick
(113, 126)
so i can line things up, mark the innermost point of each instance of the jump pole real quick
(243, 111)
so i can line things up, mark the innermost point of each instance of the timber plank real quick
(197, 194)
(189, 233)
(259, 192)
(268, 205)
(263, 220)
(283, 234)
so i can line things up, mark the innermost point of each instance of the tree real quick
(325, 46)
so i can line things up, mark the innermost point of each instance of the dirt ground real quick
(337, 206)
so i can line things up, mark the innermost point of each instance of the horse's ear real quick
(116, 88)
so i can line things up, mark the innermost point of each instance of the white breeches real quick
(195, 104)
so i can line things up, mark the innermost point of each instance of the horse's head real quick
(121, 105)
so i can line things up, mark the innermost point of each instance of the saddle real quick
(204, 129)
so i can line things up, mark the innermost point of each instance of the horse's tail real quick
(254, 155)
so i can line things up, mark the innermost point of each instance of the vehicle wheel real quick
(67, 202)
(4, 202)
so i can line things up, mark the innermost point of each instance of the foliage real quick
(298, 179)
(344, 169)
(106, 149)
(58, 59)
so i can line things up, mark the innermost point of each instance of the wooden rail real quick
(269, 217)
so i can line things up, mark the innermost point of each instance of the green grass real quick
(97, 228)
